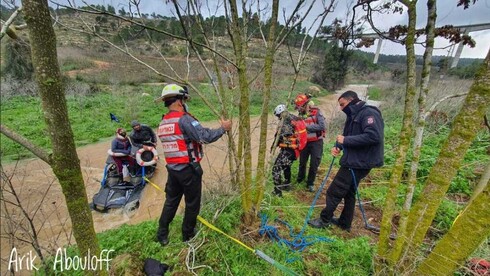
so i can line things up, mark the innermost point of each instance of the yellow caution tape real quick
(205, 222)
(154, 185)
(257, 252)
(208, 224)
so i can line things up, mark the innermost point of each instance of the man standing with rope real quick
(182, 137)
(362, 143)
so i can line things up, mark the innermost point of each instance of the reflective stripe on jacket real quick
(176, 146)
(310, 120)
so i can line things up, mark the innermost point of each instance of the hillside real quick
(106, 89)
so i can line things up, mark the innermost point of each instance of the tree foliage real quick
(333, 70)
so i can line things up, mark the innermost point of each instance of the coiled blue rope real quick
(298, 242)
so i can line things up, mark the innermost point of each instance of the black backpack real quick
(155, 268)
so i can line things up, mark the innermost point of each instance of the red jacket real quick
(176, 146)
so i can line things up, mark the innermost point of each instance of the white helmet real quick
(279, 109)
(173, 90)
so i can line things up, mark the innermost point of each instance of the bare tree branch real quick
(442, 100)
(37, 151)
(6, 25)
(95, 11)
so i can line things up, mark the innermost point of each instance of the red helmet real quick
(301, 100)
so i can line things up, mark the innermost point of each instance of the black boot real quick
(318, 223)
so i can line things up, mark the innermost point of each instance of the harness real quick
(177, 147)
(313, 119)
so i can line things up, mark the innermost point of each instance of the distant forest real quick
(218, 25)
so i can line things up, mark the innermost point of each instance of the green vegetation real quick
(89, 113)
(333, 70)
(466, 72)
(220, 255)
(70, 63)
(374, 93)
(89, 116)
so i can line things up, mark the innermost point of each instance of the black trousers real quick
(315, 150)
(185, 183)
(282, 165)
(343, 187)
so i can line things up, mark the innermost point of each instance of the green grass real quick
(89, 114)
(70, 63)
(90, 120)
(222, 256)
(374, 93)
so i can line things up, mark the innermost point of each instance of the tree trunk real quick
(404, 142)
(238, 37)
(465, 128)
(64, 159)
(455, 247)
(268, 64)
(419, 130)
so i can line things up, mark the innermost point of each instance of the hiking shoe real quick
(335, 221)
(163, 241)
(277, 193)
(318, 223)
(310, 188)
(299, 180)
(187, 237)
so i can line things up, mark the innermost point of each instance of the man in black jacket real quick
(362, 143)
(141, 134)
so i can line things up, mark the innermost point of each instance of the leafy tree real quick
(333, 71)
(334, 68)
(122, 12)
(465, 72)
(111, 9)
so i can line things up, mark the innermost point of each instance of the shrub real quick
(18, 62)
(75, 63)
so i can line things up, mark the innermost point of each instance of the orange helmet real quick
(301, 100)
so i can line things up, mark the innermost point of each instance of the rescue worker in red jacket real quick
(288, 144)
(182, 137)
(315, 126)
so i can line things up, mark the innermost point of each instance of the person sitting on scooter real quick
(141, 134)
(121, 145)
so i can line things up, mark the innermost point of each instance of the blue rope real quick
(357, 191)
(298, 242)
(317, 195)
(102, 183)
(359, 198)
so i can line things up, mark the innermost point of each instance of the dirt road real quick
(39, 191)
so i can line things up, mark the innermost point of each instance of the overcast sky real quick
(447, 11)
